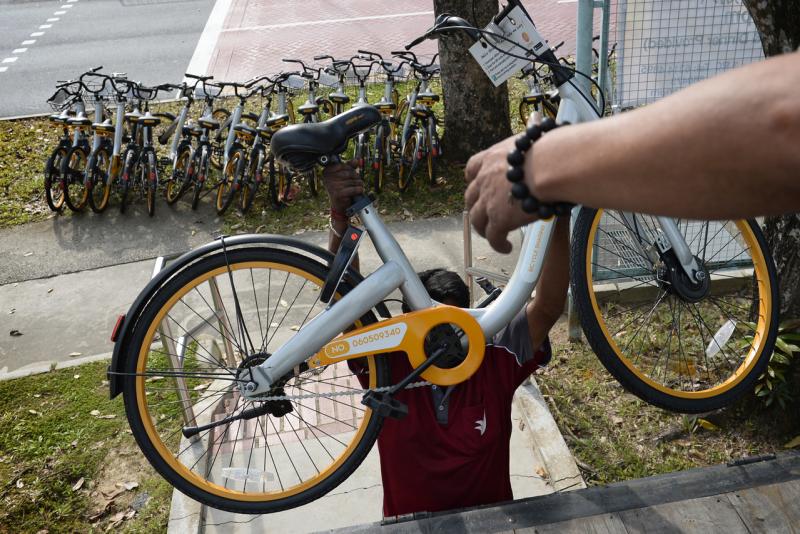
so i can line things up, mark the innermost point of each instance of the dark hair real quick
(443, 285)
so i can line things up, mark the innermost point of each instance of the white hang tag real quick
(517, 27)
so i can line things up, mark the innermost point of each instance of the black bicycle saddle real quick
(301, 146)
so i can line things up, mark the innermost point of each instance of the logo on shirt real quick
(480, 424)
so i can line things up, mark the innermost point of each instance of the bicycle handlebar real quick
(308, 72)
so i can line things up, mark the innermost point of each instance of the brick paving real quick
(257, 34)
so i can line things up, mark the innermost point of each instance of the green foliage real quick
(774, 386)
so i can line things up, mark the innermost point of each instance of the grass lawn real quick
(68, 462)
(615, 436)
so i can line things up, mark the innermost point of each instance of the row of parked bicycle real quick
(115, 153)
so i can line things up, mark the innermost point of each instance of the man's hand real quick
(492, 210)
(342, 183)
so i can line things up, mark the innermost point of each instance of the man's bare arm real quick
(551, 290)
(727, 147)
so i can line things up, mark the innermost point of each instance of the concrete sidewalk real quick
(73, 314)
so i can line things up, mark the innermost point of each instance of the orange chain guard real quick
(406, 333)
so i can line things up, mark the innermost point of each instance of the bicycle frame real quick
(397, 273)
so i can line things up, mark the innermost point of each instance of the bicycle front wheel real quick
(73, 174)
(53, 186)
(685, 345)
(407, 162)
(231, 181)
(224, 314)
(100, 173)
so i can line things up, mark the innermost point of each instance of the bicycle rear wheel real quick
(683, 346)
(203, 169)
(303, 447)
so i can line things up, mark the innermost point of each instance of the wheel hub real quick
(247, 385)
(680, 284)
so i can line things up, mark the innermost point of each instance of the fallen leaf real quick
(284, 303)
(28, 254)
(130, 514)
(109, 416)
(130, 485)
(542, 472)
(481, 258)
(15, 333)
(78, 485)
(708, 425)
(74, 354)
(617, 420)
(273, 325)
(37, 395)
(76, 376)
(794, 443)
(20, 484)
(200, 387)
(11, 311)
(34, 412)
(95, 413)
(50, 290)
(294, 327)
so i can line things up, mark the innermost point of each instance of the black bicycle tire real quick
(158, 300)
(51, 169)
(378, 172)
(99, 207)
(226, 197)
(406, 169)
(150, 181)
(611, 361)
(75, 207)
(186, 179)
(128, 171)
(203, 168)
(433, 147)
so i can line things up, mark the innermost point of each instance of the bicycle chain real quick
(419, 384)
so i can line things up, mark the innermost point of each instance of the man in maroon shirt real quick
(452, 449)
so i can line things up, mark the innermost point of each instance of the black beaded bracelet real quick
(516, 173)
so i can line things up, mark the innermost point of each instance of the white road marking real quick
(53, 19)
(3, 69)
(208, 39)
(9, 60)
(45, 26)
(37, 34)
(66, 6)
(19, 50)
(28, 42)
(327, 21)
(59, 13)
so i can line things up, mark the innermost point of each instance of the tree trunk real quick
(778, 24)
(476, 113)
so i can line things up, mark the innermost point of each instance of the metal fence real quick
(664, 46)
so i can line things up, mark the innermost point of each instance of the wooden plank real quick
(707, 514)
(632, 494)
(596, 524)
(768, 509)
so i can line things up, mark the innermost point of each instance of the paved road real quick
(151, 40)
(79, 309)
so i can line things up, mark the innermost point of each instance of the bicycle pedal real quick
(384, 405)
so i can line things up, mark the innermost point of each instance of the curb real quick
(53, 365)
(562, 470)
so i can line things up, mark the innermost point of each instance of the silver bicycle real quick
(254, 369)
